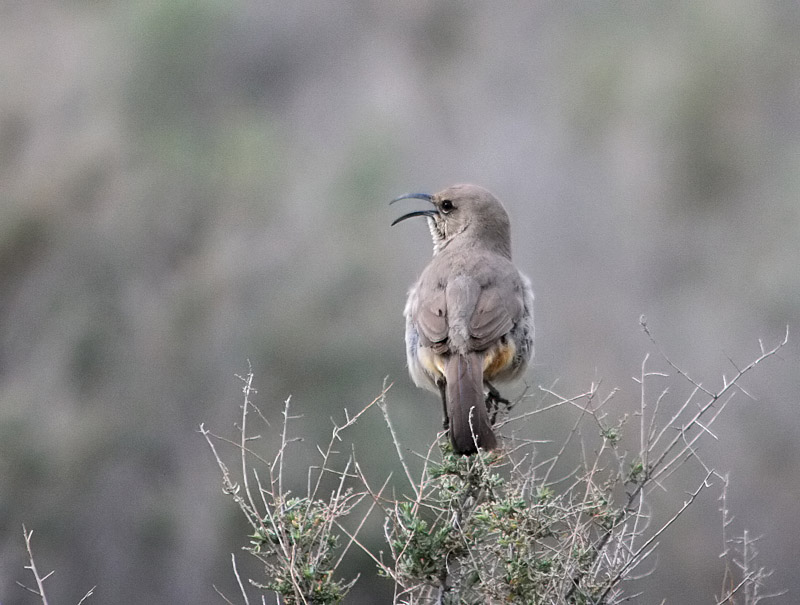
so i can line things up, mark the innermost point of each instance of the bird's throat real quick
(437, 235)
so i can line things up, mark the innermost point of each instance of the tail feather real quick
(466, 407)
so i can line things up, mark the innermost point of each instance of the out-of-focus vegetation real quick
(188, 185)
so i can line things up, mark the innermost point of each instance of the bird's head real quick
(463, 213)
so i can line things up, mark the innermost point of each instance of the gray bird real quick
(469, 316)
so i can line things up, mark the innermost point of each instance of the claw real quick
(493, 401)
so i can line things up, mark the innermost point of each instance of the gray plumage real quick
(469, 316)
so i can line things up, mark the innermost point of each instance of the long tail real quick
(465, 404)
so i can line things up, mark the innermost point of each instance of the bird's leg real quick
(446, 419)
(493, 401)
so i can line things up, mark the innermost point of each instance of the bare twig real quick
(87, 595)
(39, 590)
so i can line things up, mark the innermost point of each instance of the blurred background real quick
(189, 185)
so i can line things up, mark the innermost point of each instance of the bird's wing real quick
(481, 308)
(498, 308)
(430, 316)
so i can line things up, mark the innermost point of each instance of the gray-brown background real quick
(188, 185)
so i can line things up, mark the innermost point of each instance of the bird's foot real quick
(493, 401)
(445, 417)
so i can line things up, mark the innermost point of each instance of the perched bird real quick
(469, 316)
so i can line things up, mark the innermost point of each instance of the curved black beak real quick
(418, 196)
(413, 214)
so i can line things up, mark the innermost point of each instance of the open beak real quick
(419, 196)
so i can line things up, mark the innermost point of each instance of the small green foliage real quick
(297, 546)
(612, 434)
(487, 538)
(543, 494)
(422, 549)
(636, 473)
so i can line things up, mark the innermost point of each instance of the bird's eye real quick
(447, 206)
